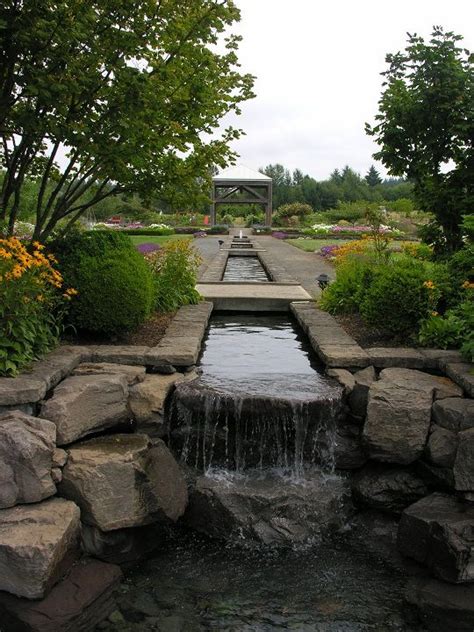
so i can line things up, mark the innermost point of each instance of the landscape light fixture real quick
(220, 242)
(323, 281)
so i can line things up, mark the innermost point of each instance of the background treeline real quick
(342, 187)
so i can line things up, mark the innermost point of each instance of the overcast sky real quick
(318, 70)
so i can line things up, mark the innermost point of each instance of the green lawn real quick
(155, 239)
(310, 245)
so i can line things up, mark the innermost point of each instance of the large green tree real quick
(102, 97)
(425, 127)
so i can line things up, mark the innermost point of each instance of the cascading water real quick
(259, 428)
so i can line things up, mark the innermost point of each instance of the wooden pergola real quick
(241, 185)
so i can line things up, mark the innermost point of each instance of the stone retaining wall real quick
(408, 441)
(69, 492)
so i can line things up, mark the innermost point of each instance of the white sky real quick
(318, 70)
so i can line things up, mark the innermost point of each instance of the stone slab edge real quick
(181, 346)
(322, 329)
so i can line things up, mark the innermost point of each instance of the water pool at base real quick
(197, 585)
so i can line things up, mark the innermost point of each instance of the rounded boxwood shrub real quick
(115, 285)
(398, 298)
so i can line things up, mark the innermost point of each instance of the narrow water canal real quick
(245, 268)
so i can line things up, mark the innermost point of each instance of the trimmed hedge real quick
(115, 286)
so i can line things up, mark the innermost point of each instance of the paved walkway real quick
(303, 266)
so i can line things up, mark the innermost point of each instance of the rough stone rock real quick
(344, 377)
(122, 481)
(77, 603)
(147, 400)
(21, 390)
(407, 358)
(164, 369)
(441, 447)
(442, 607)
(454, 413)
(437, 531)
(348, 452)
(462, 374)
(59, 457)
(37, 544)
(441, 478)
(26, 450)
(399, 413)
(83, 405)
(57, 365)
(134, 374)
(267, 509)
(360, 393)
(388, 489)
(464, 463)
(122, 545)
(56, 475)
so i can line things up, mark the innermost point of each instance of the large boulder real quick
(387, 488)
(442, 607)
(442, 446)
(80, 601)
(133, 373)
(122, 481)
(437, 532)
(27, 446)
(86, 404)
(37, 545)
(267, 509)
(454, 413)
(147, 400)
(464, 463)
(399, 413)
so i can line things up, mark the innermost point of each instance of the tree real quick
(425, 127)
(373, 177)
(129, 91)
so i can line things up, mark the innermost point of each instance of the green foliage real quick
(425, 121)
(165, 230)
(228, 220)
(115, 286)
(131, 93)
(453, 330)
(297, 210)
(373, 177)
(175, 269)
(343, 296)
(397, 299)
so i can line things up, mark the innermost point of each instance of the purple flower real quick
(146, 248)
(328, 251)
(280, 235)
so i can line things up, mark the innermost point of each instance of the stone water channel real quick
(268, 542)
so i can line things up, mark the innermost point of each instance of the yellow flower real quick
(468, 285)
(429, 284)
(434, 314)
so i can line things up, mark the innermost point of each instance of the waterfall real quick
(209, 429)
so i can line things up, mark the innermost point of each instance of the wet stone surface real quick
(195, 585)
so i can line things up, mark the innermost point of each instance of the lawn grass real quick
(310, 245)
(156, 239)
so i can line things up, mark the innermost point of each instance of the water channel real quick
(261, 417)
